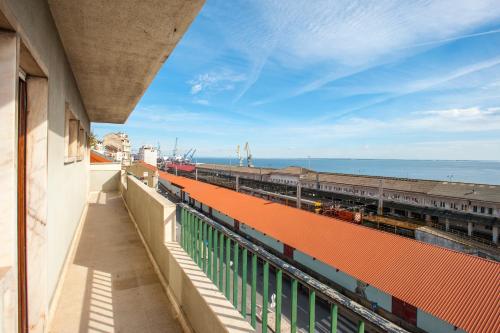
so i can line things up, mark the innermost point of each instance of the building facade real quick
(148, 154)
(470, 208)
(117, 145)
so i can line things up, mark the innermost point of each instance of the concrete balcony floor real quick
(110, 285)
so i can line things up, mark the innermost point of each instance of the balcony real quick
(126, 273)
(110, 284)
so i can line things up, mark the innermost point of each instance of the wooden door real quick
(21, 208)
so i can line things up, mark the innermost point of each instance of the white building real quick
(118, 146)
(148, 154)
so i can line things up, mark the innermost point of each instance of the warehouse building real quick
(427, 287)
(473, 209)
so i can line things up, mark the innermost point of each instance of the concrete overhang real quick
(115, 48)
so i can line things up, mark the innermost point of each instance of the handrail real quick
(195, 242)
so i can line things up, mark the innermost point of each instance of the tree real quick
(93, 141)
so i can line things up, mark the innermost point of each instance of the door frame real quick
(21, 205)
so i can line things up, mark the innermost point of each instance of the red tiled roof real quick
(461, 289)
(98, 158)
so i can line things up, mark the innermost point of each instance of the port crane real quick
(249, 155)
(174, 152)
(240, 158)
(190, 157)
(186, 155)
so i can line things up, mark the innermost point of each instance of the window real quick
(490, 211)
(74, 137)
(474, 209)
(71, 135)
(81, 143)
(482, 210)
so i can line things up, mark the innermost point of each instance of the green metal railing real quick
(216, 250)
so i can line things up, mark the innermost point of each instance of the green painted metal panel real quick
(221, 262)
(210, 250)
(228, 269)
(183, 228)
(361, 326)
(215, 274)
(333, 318)
(200, 242)
(265, 297)
(235, 274)
(244, 278)
(195, 240)
(253, 296)
(279, 295)
(312, 311)
(204, 244)
(293, 307)
(191, 236)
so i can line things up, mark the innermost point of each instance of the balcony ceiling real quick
(115, 48)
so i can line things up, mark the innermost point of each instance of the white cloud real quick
(344, 36)
(201, 102)
(448, 121)
(215, 81)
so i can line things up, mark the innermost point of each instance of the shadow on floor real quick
(111, 285)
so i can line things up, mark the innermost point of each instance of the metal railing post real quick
(253, 296)
(244, 258)
(204, 244)
(265, 297)
(333, 318)
(215, 274)
(361, 326)
(293, 307)
(279, 294)
(210, 250)
(235, 274)
(312, 310)
(221, 261)
(228, 269)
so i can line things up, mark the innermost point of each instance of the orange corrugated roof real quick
(98, 158)
(461, 289)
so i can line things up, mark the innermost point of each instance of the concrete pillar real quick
(299, 194)
(176, 171)
(154, 180)
(428, 219)
(380, 208)
(196, 173)
(447, 224)
(9, 57)
(237, 183)
(470, 228)
(495, 234)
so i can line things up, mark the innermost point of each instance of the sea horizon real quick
(467, 171)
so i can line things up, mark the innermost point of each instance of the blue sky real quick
(349, 79)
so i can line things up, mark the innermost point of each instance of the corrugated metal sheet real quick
(458, 288)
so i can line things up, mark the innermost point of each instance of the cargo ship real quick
(180, 166)
(178, 162)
